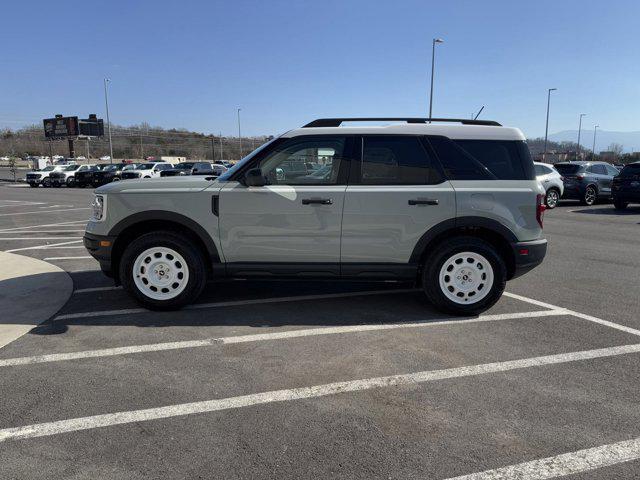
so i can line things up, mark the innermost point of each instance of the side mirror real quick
(254, 178)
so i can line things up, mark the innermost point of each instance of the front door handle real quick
(317, 201)
(419, 201)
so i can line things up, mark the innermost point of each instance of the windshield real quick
(568, 168)
(71, 168)
(226, 175)
(145, 166)
(48, 169)
(109, 168)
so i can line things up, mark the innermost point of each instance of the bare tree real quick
(616, 148)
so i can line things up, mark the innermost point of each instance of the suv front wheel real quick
(163, 270)
(464, 276)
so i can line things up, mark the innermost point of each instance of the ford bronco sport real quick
(455, 209)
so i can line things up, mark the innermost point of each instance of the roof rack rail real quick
(336, 122)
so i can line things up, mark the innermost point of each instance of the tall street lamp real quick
(106, 103)
(239, 132)
(595, 129)
(546, 128)
(433, 61)
(579, 131)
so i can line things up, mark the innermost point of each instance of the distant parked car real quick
(111, 173)
(551, 180)
(187, 168)
(84, 178)
(626, 186)
(587, 181)
(146, 170)
(41, 177)
(226, 163)
(67, 176)
(106, 158)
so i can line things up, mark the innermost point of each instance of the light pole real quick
(106, 103)
(579, 131)
(433, 62)
(239, 133)
(546, 128)
(595, 129)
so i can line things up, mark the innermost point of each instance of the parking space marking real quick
(566, 464)
(45, 231)
(237, 303)
(38, 238)
(43, 247)
(67, 258)
(23, 204)
(46, 225)
(44, 212)
(97, 289)
(259, 337)
(583, 316)
(183, 409)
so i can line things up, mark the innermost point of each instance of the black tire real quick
(552, 198)
(33, 185)
(620, 205)
(590, 195)
(180, 244)
(46, 183)
(443, 252)
(70, 182)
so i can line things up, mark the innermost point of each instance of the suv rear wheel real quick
(163, 270)
(552, 198)
(590, 195)
(464, 276)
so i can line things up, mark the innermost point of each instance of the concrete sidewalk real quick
(31, 291)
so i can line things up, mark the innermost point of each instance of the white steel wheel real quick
(160, 273)
(466, 278)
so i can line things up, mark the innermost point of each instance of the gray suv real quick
(450, 205)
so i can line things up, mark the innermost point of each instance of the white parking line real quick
(177, 410)
(44, 247)
(236, 303)
(45, 231)
(584, 316)
(38, 238)
(97, 289)
(43, 211)
(566, 464)
(23, 204)
(67, 258)
(260, 337)
(46, 225)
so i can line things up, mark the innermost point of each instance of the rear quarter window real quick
(484, 159)
(568, 169)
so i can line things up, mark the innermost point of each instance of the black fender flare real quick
(469, 221)
(164, 216)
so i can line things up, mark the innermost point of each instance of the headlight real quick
(98, 208)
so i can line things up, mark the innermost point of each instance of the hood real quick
(184, 184)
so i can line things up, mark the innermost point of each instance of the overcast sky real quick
(192, 63)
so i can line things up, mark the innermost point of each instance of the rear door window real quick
(599, 169)
(396, 160)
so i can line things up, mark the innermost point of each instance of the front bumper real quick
(99, 247)
(528, 255)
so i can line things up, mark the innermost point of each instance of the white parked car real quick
(67, 176)
(146, 170)
(551, 181)
(106, 158)
(41, 177)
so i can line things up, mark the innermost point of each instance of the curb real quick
(31, 292)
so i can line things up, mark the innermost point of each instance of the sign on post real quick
(60, 127)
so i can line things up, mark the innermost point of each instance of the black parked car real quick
(587, 181)
(111, 173)
(84, 178)
(187, 168)
(626, 186)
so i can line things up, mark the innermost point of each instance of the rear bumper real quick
(626, 195)
(99, 247)
(528, 255)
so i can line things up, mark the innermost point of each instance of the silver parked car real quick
(551, 181)
(454, 208)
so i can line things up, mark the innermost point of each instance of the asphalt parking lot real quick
(324, 379)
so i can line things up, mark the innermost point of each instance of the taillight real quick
(540, 208)
(580, 177)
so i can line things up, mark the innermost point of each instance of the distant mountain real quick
(629, 140)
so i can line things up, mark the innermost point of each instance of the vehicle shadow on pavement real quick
(610, 211)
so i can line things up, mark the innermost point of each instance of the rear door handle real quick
(428, 201)
(317, 201)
